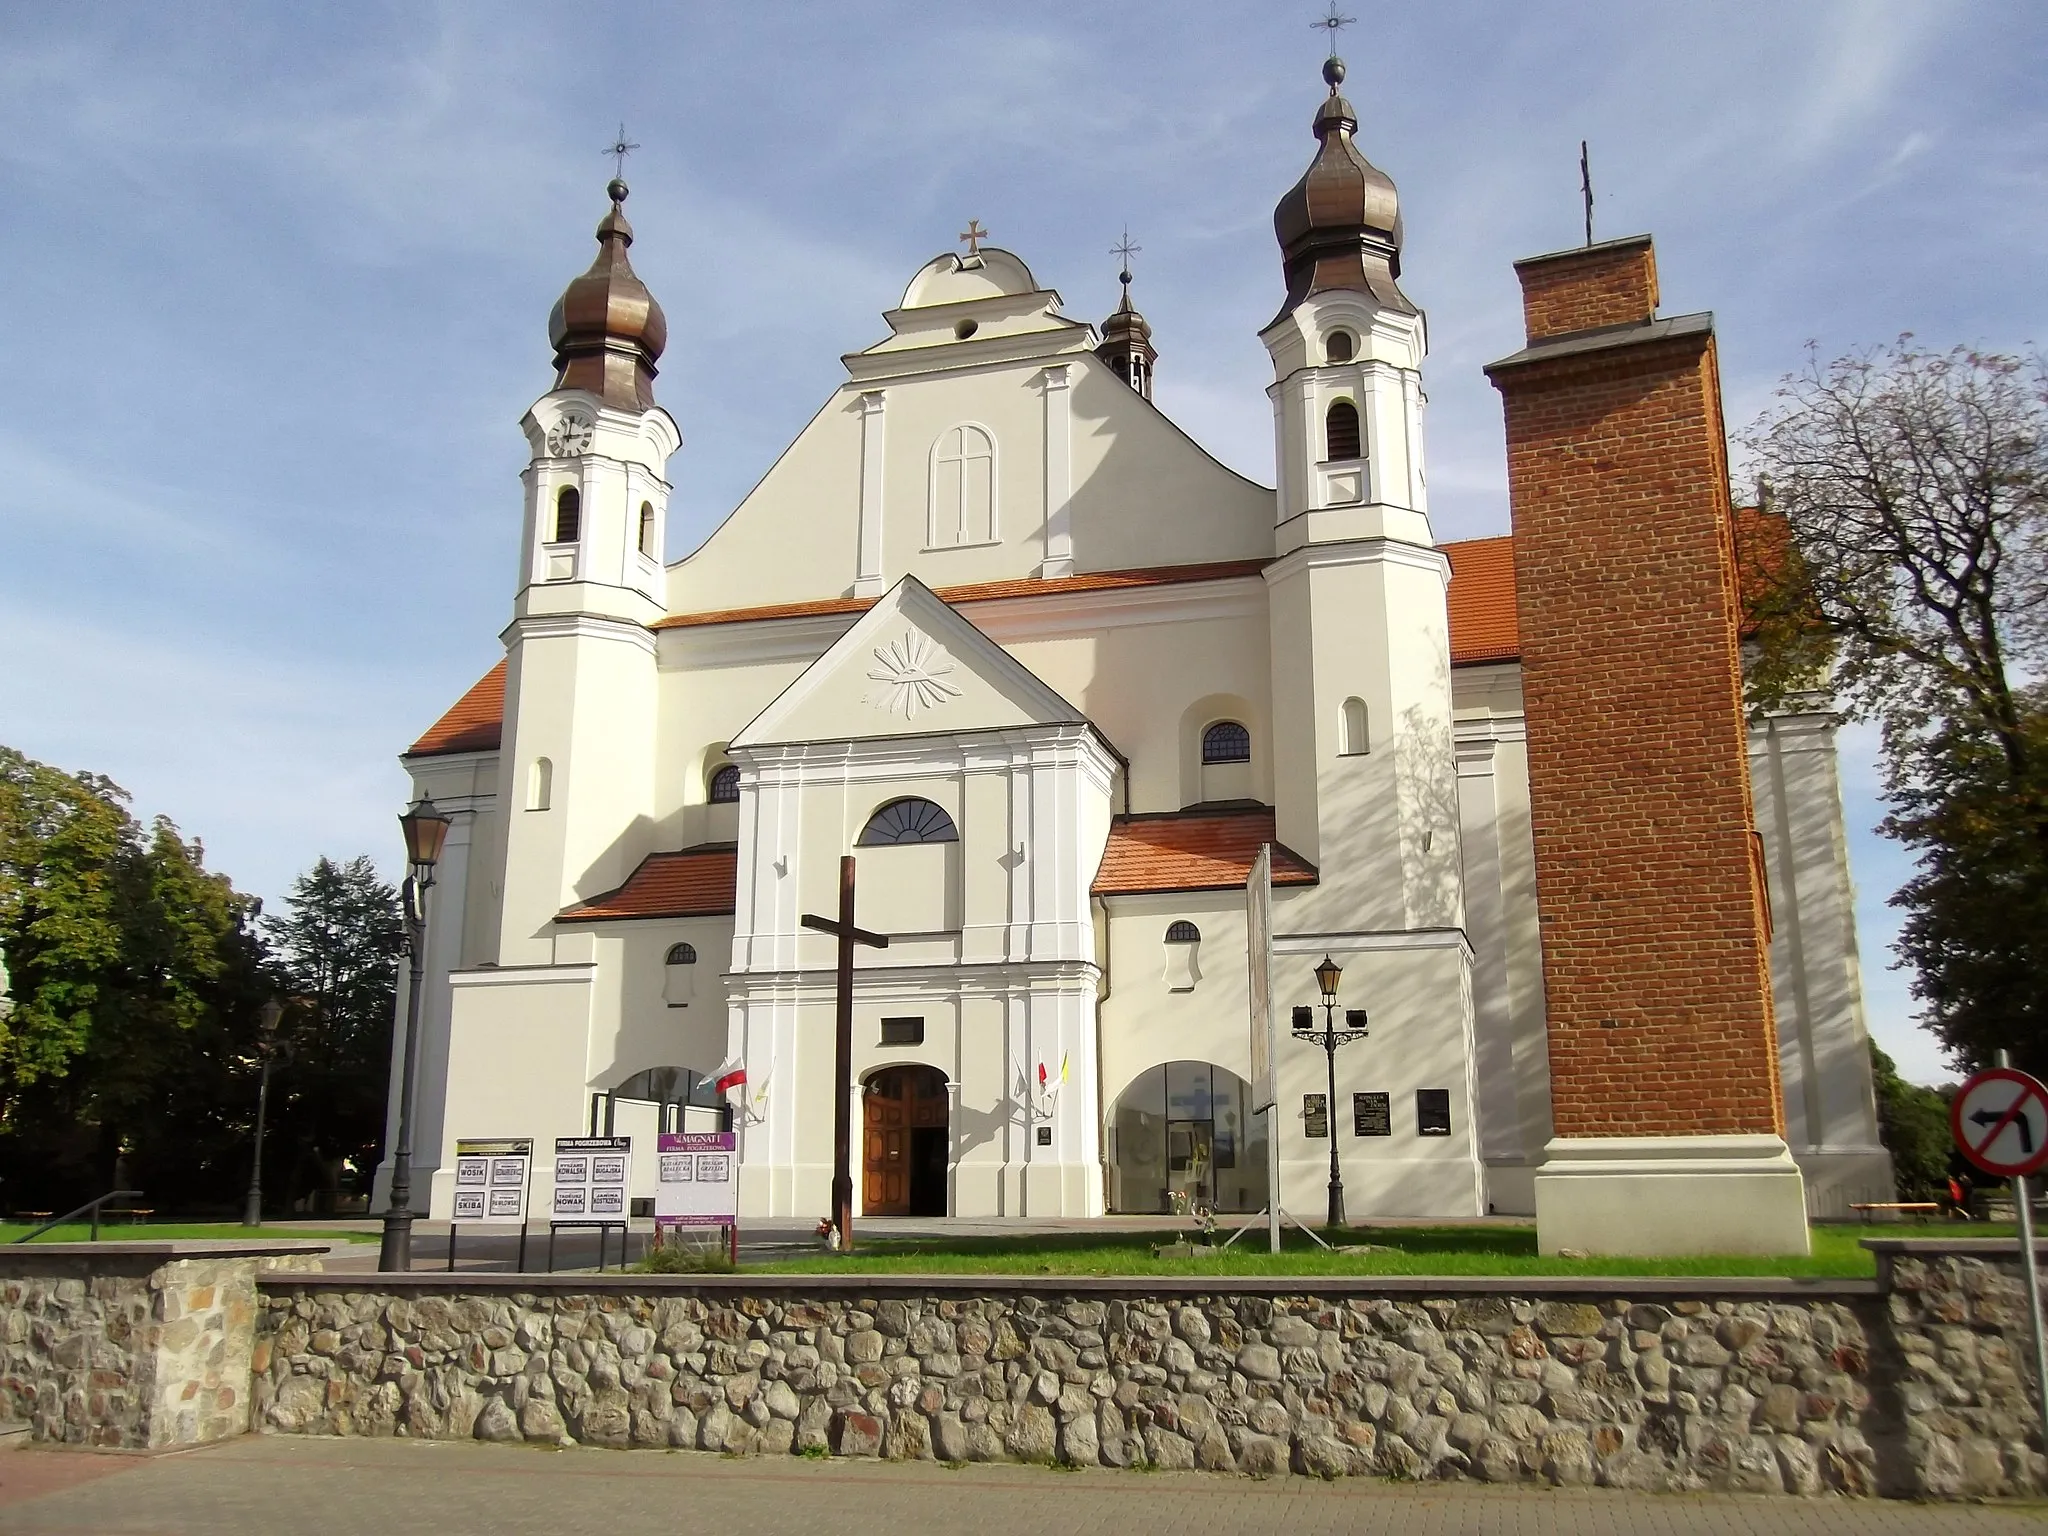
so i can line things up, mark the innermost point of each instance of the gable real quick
(911, 666)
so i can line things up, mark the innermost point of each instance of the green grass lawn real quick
(125, 1231)
(1460, 1250)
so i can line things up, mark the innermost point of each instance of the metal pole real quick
(842, 1067)
(2030, 1268)
(252, 1208)
(395, 1254)
(1273, 1169)
(1336, 1212)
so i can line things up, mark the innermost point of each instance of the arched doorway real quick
(1182, 1133)
(905, 1134)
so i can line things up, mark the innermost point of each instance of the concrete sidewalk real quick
(400, 1487)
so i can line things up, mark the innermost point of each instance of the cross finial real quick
(974, 234)
(619, 148)
(1333, 24)
(1126, 250)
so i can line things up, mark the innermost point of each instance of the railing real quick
(90, 1206)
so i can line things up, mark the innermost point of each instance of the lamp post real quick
(266, 1048)
(1331, 1039)
(426, 829)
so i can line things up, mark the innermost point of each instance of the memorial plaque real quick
(1372, 1114)
(1315, 1115)
(1432, 1111)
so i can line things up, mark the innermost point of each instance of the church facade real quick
(1052, 675)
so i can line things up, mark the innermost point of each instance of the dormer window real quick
(568, 515)
(1340, 431)
(1340, 348)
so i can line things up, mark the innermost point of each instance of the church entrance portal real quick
(1181, 1136)
(905, 1134)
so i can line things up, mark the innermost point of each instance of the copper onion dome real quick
(1340, 225)
(607, 329)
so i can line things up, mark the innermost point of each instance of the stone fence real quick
(136, 1345)
(1913, 1384)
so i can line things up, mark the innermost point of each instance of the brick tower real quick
(1668, 1128)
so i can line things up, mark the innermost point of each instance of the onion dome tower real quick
(1340, 225)
(607, 330)
(1126, 337)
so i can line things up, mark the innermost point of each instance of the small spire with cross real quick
(1124, 249)
(974, 234)
(619, 148)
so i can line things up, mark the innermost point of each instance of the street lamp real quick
(266, 1048)
(1331, 1039)
(426, 829)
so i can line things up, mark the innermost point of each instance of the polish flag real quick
(731, 1075)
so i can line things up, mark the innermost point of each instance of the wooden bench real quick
(1921, 1208)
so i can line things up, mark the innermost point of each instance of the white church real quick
(997, 627)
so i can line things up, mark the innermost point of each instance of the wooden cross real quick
(848, 935)
(974, 234)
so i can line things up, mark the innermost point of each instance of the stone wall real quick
(1767, 1386)
(135, 1345)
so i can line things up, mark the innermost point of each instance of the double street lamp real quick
(426, 829)
(1331, 1039)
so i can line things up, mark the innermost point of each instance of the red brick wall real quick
(1610, 284)
(1653, 916)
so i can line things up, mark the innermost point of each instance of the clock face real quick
(569, 437)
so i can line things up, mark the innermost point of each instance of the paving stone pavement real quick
(401, 1487)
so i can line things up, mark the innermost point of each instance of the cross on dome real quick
(619, 149)
(974, 234)
(1332, 24)
(1124, 249)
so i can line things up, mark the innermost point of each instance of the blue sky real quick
(278, 282)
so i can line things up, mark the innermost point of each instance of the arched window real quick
(540, 784)
(908, 821)
(1183, 932)
(1339, 347)
(568, 515)
(1340, 431)
(725, 785)
(646, 527)
(1226, 742)
(1354, 740)
(682, 954)
(963, 505)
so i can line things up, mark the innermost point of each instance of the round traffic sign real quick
(2000, 1121)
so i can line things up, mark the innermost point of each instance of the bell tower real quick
(577, 762)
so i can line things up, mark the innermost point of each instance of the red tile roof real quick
(1193, 851)
(983, 592)
(1482, 601)
(1482, 613)
(473, 725)
(695, 882)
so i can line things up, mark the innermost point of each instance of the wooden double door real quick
(905, 1113)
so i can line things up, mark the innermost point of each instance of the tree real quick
(1912, 1122)
(1906, 568)
(336, 948)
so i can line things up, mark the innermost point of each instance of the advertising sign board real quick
(699, 1180)
(591, 1177)
(492, 1176)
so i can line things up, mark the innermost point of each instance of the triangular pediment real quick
(911, 666)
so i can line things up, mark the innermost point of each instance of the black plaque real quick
(1432, 1111)
(1045, 1135)
(1372, 1114)
(1315, 1115)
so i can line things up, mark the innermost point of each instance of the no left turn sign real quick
(2000, 1121)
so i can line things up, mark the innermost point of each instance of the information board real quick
(591, 1177)
(492, 1177)
(1372, 1114)
(1315, 1116)
(699, 1181)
